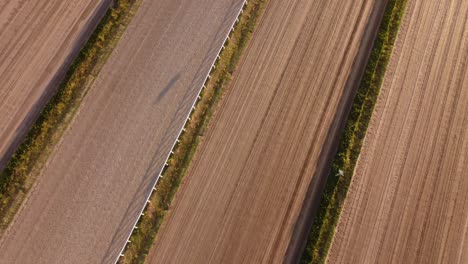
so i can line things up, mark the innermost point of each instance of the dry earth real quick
(408, 201)
(84, 204)
(264, 158)
(38, 41)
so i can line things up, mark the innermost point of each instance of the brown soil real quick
(84, 204)
(265, 155)
(408, 200)
(38, 42)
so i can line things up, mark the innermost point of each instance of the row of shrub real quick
(144, 236)
(336, 188)
(17, 178)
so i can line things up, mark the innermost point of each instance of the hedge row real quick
(17, 178)
(336, 188)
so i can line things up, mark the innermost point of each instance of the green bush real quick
(350, 144)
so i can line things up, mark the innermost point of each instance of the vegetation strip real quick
(144, 235)
(24, 167)
(336, 188)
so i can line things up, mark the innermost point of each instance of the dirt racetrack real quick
(38, 41)
(408, 200)
(264, 158)
(84, 204)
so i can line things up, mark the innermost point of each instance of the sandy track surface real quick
(84, 204)
(38, 41)
(408, 202)
(242, 199)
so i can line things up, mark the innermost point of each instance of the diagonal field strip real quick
(187, 119)
(350, 143)
(28, 160)
(407, 202)
(270, 141)
(38, 42)
(94, 185)
(145, 234)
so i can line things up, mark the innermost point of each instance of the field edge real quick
(144, 236)
(28, 160)
(350, 143)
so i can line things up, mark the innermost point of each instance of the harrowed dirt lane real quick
(85, 202)
(249, 192)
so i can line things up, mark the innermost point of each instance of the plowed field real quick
(84, 204)
(408, 200)
(38, 41)
(264, 158)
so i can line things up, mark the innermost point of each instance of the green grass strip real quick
(323, 227)
(25, 164)
(144, 236)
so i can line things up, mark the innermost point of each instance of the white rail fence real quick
(182, 129)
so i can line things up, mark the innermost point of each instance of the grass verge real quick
(144, 236)
(323, 227)
(24, 167)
